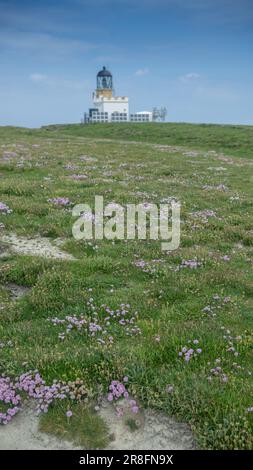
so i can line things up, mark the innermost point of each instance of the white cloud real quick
(43, 44)
(141, 72)
(38, 77)
(59, 82)
(189, 77)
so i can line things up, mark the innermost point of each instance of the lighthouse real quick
(111, 108)
(107, 107)
(104, 83)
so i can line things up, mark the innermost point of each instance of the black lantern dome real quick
(104, 79)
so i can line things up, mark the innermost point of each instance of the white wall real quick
(111, 105)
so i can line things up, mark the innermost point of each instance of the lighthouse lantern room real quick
(104, 83)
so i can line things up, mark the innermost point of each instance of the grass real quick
(170, 301)
(234, 140)
(84, 427)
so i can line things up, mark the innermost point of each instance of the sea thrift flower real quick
(135, 409)
(70, 166)
(69, 414)
(60, 201)
(110, 397)
(225, 258)
(4, 209)
(191, 263)
(204, 215)
(189, 353)
(100, 327)
(132, 402)
(34, 387)
(9, 154)
(149, 267)
(118, 390)
(218, 372)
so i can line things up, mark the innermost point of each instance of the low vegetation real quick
(189, 353)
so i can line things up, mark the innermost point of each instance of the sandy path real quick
(23, 434)
(157, 432)
(38, 246)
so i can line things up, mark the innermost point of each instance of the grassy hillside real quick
(232, 140)
(198, 297)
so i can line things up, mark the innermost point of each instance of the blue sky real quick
(193, 56)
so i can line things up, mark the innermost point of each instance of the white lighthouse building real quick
(110, 108)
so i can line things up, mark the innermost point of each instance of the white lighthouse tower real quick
(108, 108)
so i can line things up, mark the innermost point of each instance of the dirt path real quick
(38, 246)
(157, 432)
(23, 434)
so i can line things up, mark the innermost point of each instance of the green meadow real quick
(199, 297)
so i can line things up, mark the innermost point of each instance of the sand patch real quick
(156, 432)
(38, 246)
(23, 433)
